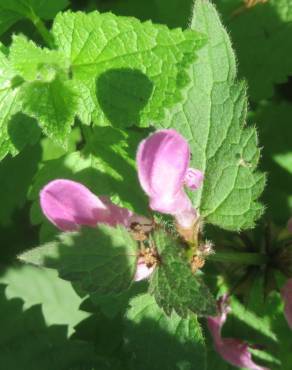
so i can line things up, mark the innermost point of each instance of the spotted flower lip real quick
(163, 169)
(286, 293)
(232, 350)
(70, 205)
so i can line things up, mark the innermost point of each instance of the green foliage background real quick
(74, 103)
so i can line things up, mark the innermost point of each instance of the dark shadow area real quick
(284, 90)
(27, 343)
(18, 236)
(122, 94)
(144, 345)
(275, 130)
(151, 347)
(24, 26)
(173, 13)
(23, 130)
(261, 40)
(16, 174)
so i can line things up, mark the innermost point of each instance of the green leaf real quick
(101, 260)
(212, 118)
(27, 343)
(160, 342)
(9, 104)
(11, 11)
(16, 129)
(34, 63)
(53, 104)
(126, 72)
(173, 284)
(262, 35)
(47, 96)
(60, 304)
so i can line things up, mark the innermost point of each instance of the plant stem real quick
(239, 257)
(43, 31)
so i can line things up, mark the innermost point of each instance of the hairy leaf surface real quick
(212, 117)
(159, 342)
(173, 284)
(101, 260)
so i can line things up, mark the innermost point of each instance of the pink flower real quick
(143, 271)
(234, 351)
(69, 205)
(286, 293)
(163, 168)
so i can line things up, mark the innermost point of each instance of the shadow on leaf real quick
(123, 94)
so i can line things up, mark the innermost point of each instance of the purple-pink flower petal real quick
(142, 271)
(286, 293)
(69, 204)
(234, 351)
(194, 178)
(163, 160)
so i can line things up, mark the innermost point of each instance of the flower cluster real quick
(163, 168)
(163, 161)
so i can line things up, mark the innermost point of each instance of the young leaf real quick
(173, 284)
(160, 342)
(9, 103)
(101, 260)
(34, 63)
(212, 117)
(11, 11)
(126, 72)
(53, 104)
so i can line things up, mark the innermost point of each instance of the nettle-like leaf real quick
(99, 260)
(11, 11)
(160, 342)
(212, 118)
(9, 103)
(263, 59)
(173, 284)
(47, 94)
(34, 63)
(126, 72)
(60, 303)
(27, 343)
